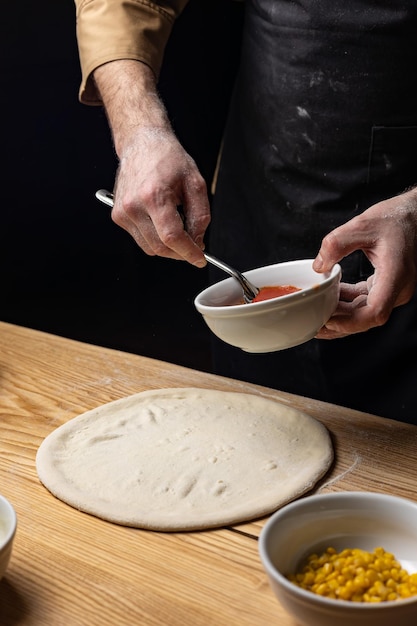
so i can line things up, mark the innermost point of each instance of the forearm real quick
(109, 30)
(129, 93)
(155, 173)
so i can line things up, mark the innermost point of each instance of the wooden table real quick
(72, 569)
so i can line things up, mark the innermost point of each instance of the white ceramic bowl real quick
(342, 520)
(8, 524)
(274, 324)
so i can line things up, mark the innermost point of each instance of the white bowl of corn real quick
(344, 559)
(8, 523)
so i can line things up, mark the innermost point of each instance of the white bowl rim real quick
(309, 595)
(288, 299)
(4, 502)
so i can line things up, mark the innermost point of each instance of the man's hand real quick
(156, 177)
(387, 234)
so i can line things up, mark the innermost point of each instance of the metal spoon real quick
(249, 290)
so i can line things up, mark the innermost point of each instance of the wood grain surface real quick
(72, 569)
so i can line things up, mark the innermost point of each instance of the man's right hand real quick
(156, 176)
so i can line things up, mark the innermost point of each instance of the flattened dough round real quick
(184, 459)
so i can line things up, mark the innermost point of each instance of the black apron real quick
(322, 124)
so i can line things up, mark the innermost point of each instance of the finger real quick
(339, 243)
(170, 237)
(388, 288)
(355, 317)
(122, 219)
(327, 333)
(348, 292)
(184, 238)
(346, 320)
(157, 230)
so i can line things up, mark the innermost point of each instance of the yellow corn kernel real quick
(322, 589)
(327, 569)
(333, 584)
(344, 593)
(357, 597)
(356, 575)
(309, 578)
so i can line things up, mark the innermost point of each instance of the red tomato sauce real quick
(274, 291)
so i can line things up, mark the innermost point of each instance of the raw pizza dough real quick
(184, 459)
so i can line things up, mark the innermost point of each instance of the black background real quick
(66, 268)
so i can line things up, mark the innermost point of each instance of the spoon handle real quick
(249, 290)
(105, 196)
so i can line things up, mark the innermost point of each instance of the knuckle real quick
(169, 238)
(199, 223)
(119, 217)
(200, 185)
(330, 242)
(381, 317)
(161, 245)
(196, 183)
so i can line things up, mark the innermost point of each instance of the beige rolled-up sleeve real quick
(110, 30)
